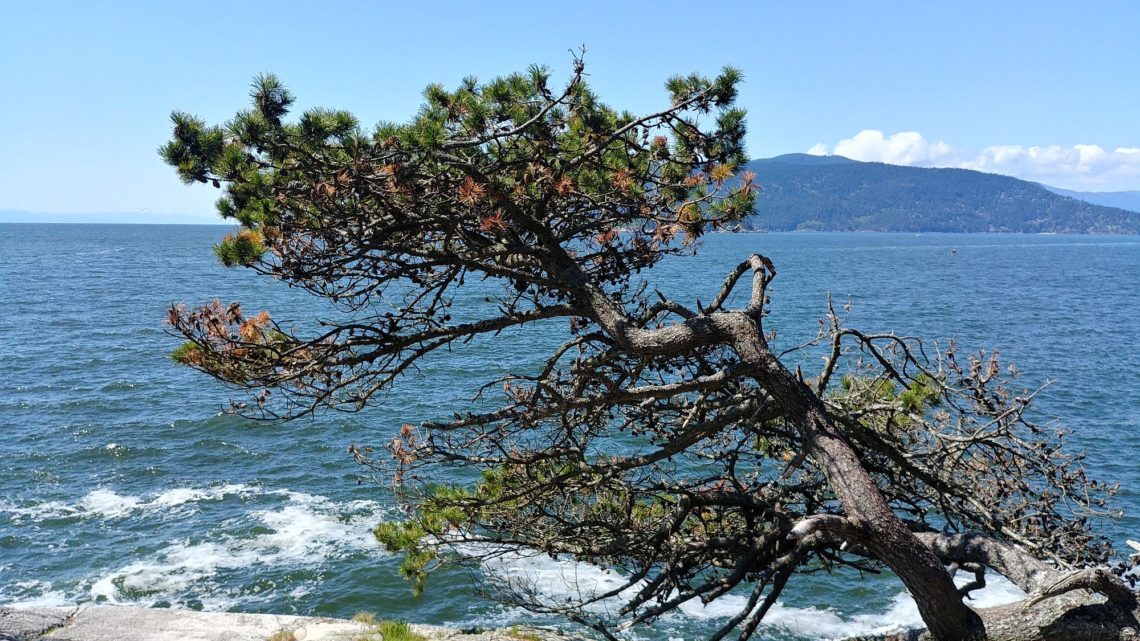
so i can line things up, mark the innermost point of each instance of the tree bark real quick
(918, 560)
(885, 536)
(1046, 615)
(1061, 619)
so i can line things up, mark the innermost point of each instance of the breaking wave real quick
(106, 504)
(295, 534)
(557, 580)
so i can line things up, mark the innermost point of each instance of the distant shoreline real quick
(797, 232)
(113, 223)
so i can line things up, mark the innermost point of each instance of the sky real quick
(1040, 90)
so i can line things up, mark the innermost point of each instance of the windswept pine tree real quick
(663, 438)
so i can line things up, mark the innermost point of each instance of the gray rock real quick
(110, 623)
(25, 624)
(513, 633)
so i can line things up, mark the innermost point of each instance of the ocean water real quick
(121, 481)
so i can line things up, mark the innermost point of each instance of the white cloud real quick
(1083, 167)
(903, 148)
(1088, 167)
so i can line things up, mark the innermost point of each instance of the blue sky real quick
(1040, 90)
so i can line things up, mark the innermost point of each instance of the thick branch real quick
(1024, 570)
(1096, 580)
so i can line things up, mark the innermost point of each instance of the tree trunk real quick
(1079, 615)
(1061, 619)
(918, 560)
(886, 537)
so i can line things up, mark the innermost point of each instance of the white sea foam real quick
(31, 594)
(305, 532)
(38, 511)
(557, 580)
(100, 252)
(902, 614)
(183, 495)
(107, 504)
(293, 530)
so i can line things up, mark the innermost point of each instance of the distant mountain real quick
(832, 193)
(805, 159)
(1129, 200)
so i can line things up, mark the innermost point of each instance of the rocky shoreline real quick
(120, 623)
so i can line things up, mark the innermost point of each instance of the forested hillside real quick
(830, 193)
(1129, 200)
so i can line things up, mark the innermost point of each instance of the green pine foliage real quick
(243, 248)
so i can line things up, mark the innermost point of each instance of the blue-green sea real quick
(123, 482)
